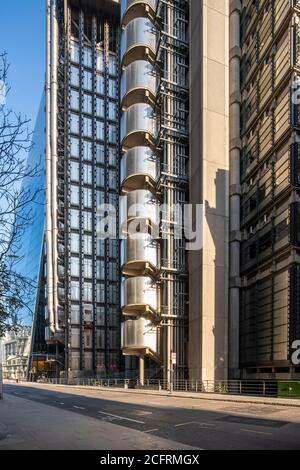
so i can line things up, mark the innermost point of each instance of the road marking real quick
(207, 425)
(257, 432)
(184, 424)
(143, 413)
(121, 417)
(151, 430)
(78, 407)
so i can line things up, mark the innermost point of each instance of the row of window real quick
(88, 292)
(101, 318)
(88, 148)
(88, 58)
(75, 265)
(88, 82)
(88, 128)
(87, 175)
(88, 246)
(88, 105)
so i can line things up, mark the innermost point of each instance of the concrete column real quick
(142, 370)
(235, 188)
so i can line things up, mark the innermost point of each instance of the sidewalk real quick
(291, 402)
(28, 425)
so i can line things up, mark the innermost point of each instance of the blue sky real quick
(22, 36)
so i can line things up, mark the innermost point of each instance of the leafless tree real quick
(15, 206)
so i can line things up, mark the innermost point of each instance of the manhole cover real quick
(254, 421)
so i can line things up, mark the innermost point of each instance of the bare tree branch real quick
(15, 206)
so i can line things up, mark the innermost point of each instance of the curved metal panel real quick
(139, 77)
(137, 120)
(140, 34)
(139, 335)
(136, 8)
(139, 255)
(140, 204)
(136, 165)
(138, 295)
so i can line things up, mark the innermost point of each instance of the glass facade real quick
(31, 246)
(88, 145)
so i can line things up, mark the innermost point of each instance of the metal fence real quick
(264, 388)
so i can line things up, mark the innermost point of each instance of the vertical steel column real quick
(235, 188)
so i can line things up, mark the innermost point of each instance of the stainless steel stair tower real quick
(154, 142)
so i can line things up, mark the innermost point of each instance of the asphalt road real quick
(202, 424)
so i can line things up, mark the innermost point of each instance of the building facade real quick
(16, 347)
(264, 152)
(82, 168)
(168, 103)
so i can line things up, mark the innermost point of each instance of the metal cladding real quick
(139, 168)
(139, 41)
(140, 292)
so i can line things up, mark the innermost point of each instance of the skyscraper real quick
(169, 103)
(265, 155)
(82, 168)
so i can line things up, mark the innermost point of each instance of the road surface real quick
(200, 424)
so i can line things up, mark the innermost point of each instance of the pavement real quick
(104, 419)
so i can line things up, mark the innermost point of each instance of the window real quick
(87, 245)
(74, 123)
(112, 271)
(75, 172)
(100, 293)
(113, 245)
(75, 268)
(112, 156)
(88, 292)
(100, 271)
(88, 80)
(87, 103)
(87, 150)
(100, 177)
(100, 107)
(100, 130)
(100, 313)
(75, 290)
(100, 84)
(88, 57)
(100, 61)
(88, 268)
(75, 243)
(112, 294)
(87, 221)
(100, 248)
(112, 179)
(74, 147)
(112, 134)
(100, 198)
(74, 76)
(113, 65)
(75, 100)
(87, 127)
(75, 52)
(112, 199)
(112, 111)
(100, 153)
(75, 314)
(87, 198)
(75, 195)
(87, 174)
(75, 219)
(112, 89)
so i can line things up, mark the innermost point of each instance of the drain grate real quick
(254, 421)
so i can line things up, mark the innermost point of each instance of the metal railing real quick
(257, 388)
